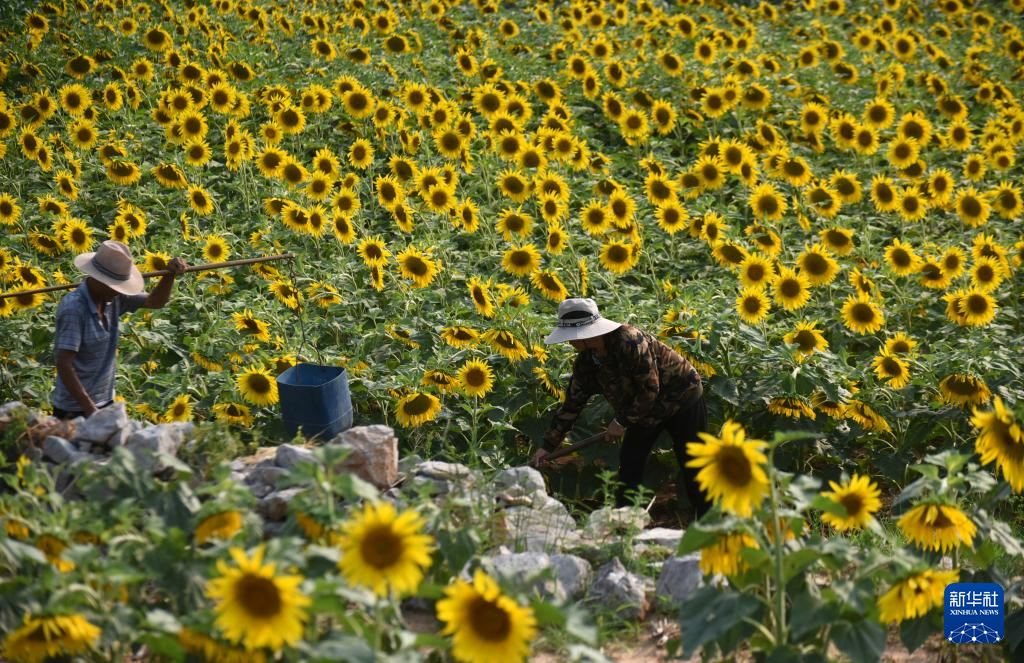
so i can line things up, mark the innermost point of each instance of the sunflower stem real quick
(779, 618)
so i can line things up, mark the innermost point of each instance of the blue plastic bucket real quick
(316, 398)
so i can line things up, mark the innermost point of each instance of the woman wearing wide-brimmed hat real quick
(651, 387)
(87, 327)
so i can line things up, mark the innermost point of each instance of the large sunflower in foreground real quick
(1001, 439)
(255, 606)
(40, 638)
(859, 496)
(937, 526)
(732, 468)
(486, 626)
(916, 596)
(258, 386)
(383, 550)
(417, 408)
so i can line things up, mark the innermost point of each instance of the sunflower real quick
(417, 267)
(250, 325)
(1001, 439)
(910, 204)
(892, 368)
(460, 337)
(752, 305)
(767, 203)
(222, 525)
(383, 550)
(374, 251)
(793, 407)
(791, 289)
(1007, 200)
(257, 386)
(445, 382)
(901, 258)
(475, 378)
(216, 249)
(233, 413)
(972, 207)
(550, 285)
(796, 171)
(417, 408)
(124, 173)
(732, 469)
(254, 605)
(506, 344)
(817, 266)
(808, 339)
(199, 200)
(723, 555)
(486, 626)
(861, 315)
(617, 257)
(53, 636)
(514, 223)
(360, 154)
(756, 271)
(964, 389)
(987, 273)
(521, 260)
(77, 236)
(916, 595)
(939, 527)
(179, 410)
(976, 307)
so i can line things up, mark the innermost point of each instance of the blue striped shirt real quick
(79, 329)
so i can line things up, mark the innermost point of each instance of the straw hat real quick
(112, 265)
(578, 319)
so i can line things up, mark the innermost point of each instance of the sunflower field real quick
(817, 202)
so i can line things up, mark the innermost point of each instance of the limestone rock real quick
(680, 577)
(102, 425)
(374, 454)
(611, 523)
(290, 455)
(274, 507)
(619, 591)
(59, 450)
(522, 480)
(121, 437)
(573, 574)
(548, 529)
(660, 536)
(161, 438)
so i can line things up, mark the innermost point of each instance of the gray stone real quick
(274, 507)
(261, 489)
(573, 574)
(121, 437)
(619, 591)
(680, 577)
(611, 523)
(8, 408)
(526, 569)
(660, 536)
(373, 455)
(290, 455)
(58, 450)
(103, 424)
(161, 438)
(266, 475)
(519, 481)
(436, 469)
(548, 529)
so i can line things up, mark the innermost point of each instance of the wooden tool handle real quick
(577, 446)
(161, 272)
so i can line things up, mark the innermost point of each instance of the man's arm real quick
(581, 388)
(68, 375)
(161, 294)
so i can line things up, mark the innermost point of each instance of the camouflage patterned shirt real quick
(644, 381)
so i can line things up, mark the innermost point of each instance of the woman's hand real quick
(614, 431)
(540, 458)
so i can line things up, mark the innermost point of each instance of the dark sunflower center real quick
(806, 340)
(259, 596)
(977, 304)
(790, 288)
(489, 622)
(381, 548)
(734, 466)
(815, 263)
(971, 206)
(475, 378)
(418, 405)
(259, 383)
(853, 504)
(416, 266)
(862, 313)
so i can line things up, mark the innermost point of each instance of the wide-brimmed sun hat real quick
(112, 265)
(578, 318)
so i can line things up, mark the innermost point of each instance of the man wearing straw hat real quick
(85, 345)
(651, 387)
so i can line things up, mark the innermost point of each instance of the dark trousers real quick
(639, 441)
(64, 415)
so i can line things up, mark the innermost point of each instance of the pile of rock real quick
(542, 548)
